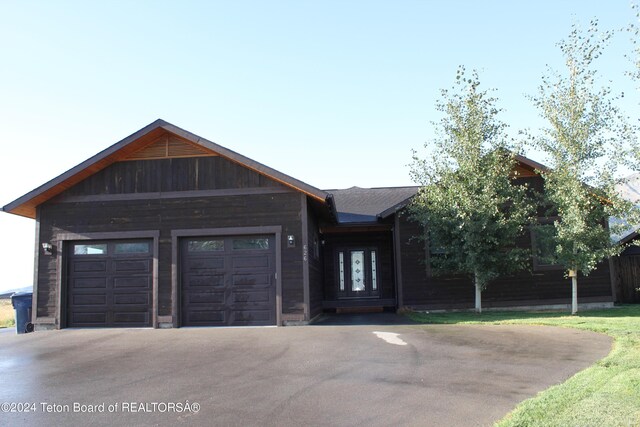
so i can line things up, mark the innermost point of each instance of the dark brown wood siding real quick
(627, 273)
(181, 174)
(382, 240)
(281, 209)
(421, 289)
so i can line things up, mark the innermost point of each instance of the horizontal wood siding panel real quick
(421, 289)
(383, 240)
(163, 175)
(169, 214)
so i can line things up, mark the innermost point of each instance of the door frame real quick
(177, 235)
(345, 295)
(61, 244)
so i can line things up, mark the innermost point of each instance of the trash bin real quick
(21, 302)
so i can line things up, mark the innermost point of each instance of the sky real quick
(334, 93)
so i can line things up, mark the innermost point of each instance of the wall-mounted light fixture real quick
(47, 248)
(291, 241)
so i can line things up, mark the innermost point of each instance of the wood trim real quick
(61, 279)
(397, 252)
(61, 284)
(278, 234)
(228, 231)
(304, 216)
(173, 195)
(110, 235)
(36, 257)
(364, 228)
(154, 279)
(175, 303)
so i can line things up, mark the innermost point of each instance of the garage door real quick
(110, 283)
(228, 281)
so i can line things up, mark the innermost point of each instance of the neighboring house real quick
(627, 269)
(167, 229)
(627, 264)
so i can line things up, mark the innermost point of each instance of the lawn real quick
(7, 318)
(606, 394)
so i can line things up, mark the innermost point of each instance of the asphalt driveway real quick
(316, 375)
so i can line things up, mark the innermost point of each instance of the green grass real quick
(7, 318)
(606, 394)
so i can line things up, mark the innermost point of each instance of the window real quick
(240, 244)
(90, 249)
(132, 248)
(205, 245)
(543, 240)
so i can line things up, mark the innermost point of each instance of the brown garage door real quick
(228, 281)
(110, 283)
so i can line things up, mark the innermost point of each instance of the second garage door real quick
(228, 281)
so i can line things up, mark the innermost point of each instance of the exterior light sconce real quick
(47, 248)
(291, 241)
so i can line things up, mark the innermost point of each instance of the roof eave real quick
(628, 238)
(395, 208)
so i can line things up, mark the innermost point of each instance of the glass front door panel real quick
(357, 271)
(341, 257)
(374, 273)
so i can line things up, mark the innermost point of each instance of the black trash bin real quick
(21, 302)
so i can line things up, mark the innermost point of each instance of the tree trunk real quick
(478, 295)
(574, 293)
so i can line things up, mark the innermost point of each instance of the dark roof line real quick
(628, 238)
(393, 209)
(91, 160)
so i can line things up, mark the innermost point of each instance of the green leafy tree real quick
(634, 30)
(468, 204)
(585, 141)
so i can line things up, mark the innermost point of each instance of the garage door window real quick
(243, 244)
(132, 248)
(205, 245)
(90, 249)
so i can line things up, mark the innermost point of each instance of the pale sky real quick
(334, 93)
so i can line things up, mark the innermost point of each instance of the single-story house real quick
(168, 229)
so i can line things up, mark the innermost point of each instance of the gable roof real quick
(26, 205)
(361, 205)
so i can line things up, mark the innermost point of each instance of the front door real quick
(358, 273)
